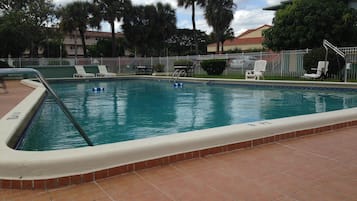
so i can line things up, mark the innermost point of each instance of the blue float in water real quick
(98, 89)
(178, 85)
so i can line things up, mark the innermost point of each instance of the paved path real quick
(320, 167)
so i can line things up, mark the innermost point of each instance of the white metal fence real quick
(284, 63)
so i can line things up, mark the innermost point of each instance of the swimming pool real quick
(58, 168)
(135, 109)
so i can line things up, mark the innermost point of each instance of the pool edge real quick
(51, 169)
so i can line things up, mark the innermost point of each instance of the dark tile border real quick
(89, 177)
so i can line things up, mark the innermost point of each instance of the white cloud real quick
(248, 15)
(248, 19)
(273, 2)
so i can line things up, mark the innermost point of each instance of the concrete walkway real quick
(15, 93)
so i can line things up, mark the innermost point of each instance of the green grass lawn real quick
(240, 76)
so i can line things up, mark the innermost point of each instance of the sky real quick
(247, 15)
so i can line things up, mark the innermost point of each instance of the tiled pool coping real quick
(51, 169)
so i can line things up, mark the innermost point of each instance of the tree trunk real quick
(83, 43)
(194, 26)
(113, 39)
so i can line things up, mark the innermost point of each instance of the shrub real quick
(58, 62)
(336, 63)
(26, 62)
(183, 62)
(159, 67)
(4, 64)
(214, 66)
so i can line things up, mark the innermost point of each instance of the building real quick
(73, 44)
(249, 40)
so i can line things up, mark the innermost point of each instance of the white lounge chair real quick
(257, 72)
(103, 72)
(81, 72)
(322, 68)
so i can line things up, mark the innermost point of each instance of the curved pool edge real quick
(48, 169)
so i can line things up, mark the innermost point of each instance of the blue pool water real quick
(134, 109)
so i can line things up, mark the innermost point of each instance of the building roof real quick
(243, 40)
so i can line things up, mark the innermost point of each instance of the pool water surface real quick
(136, 109)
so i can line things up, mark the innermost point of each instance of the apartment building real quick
(73, 44)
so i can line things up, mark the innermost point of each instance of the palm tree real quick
(147, 28)
(76, 17)
(111, 10)
(219, 15)
(166, 22)
(186, 4)
(227, 35)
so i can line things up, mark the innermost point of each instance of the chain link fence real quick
(287, 64)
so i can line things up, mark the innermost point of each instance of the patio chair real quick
(321, 71)
(103, 72)
(257, 72)
(81, 72)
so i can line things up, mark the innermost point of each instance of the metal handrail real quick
(327, 45)
(7, 71)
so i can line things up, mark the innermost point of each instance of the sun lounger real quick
(81, 72)
(103, 72)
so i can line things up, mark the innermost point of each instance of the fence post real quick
(282, 63)
(118, 64)
(226, 73)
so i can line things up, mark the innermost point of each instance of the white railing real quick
(284, 63)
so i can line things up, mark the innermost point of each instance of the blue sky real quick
(247, 15)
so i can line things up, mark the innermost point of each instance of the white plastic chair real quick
(322, 68)
(103, 72)
(81, 72)
(257, 72)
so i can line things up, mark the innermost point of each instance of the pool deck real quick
(316, 167)
(16, 92)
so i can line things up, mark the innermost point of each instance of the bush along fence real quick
(286, 64)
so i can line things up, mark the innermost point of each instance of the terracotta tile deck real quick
(317, 167)
(16, 92)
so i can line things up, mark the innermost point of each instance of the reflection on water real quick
(129, 109)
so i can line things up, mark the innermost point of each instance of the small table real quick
(143, 70)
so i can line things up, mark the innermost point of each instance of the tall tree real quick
(75, 17)
(305, 23)
(146, 28)
(41, 14)
(227, 35)
(166, 24)
(111, 11)
(182, 42)
(192, 3)
(13, 5)
(219, 15)
(30, 17)
(13, 34)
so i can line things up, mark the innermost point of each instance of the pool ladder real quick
(7, 71)
(178, 73)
